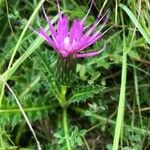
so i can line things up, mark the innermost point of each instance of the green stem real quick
(86, 143)
(64, 4)
(137, 94)
(65, 125)
(19, 133)
(104, 120)
(15, 110)
(63, 95)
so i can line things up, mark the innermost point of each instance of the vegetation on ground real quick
(106, 101)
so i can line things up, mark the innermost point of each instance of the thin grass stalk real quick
(121, 107)
(24, 31)
(22, 111)
(19, 43)
(86, 143)
(136, 22)
(35, 44)
(116, 11)
(135, 71)
(137, 95)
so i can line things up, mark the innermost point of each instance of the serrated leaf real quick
(82, 93)
(49, 73)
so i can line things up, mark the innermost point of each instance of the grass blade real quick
(36, 43)
(136, 22)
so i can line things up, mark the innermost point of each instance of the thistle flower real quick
(72, 42)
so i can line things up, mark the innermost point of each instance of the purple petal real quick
(86, 55)
(60, 15)
(83, 20)
(76, 30)
(60, 45)
(62, 28)
(80, 44)
(91, 41)
(51, 28)
(85, 41)
(46, 37)
(96, 24)
(90, 54)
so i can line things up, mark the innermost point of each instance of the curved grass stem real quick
(22, 111)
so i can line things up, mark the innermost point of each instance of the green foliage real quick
(84, 92)
(47, 68)
(76, 137)
(92, 96)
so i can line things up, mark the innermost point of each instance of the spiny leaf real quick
(48, 71)
(82, 93)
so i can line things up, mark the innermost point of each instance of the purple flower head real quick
(70, 42)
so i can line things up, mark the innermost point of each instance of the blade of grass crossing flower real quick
(35, 44)
(22, 111)
(8, 73)
(19, 43)
(136, 22)
(121, 107)
(24, 30)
